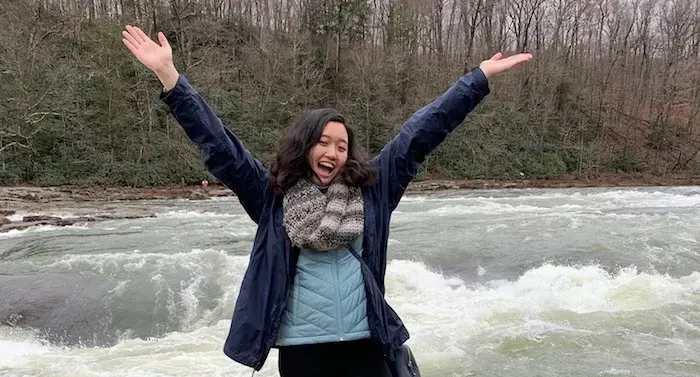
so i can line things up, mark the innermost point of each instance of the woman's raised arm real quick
(400, 159)
(222, 152)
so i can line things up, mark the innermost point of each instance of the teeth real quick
(327, 164)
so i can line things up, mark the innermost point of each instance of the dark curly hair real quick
(291, 163)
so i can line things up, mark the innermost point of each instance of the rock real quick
(106, 217)
(24, 225)
(141, 216)
(66, 222)
(28, 219)
(198, 196)
(74, 220)
(30, 196)
(221, 193)
(61, 308)
(13, 319)
(7, 212)
(122, 217)
(31, 221)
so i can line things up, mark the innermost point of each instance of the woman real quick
(304, 292)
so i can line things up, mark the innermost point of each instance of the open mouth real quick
(326, 168)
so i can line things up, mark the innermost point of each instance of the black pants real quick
(360, 358)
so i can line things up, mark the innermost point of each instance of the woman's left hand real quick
(498, 64)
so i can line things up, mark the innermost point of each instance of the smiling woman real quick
(320, 145)
(329, 154)
(314, 287)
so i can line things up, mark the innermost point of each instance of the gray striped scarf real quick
(322, 222)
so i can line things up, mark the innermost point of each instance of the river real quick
(551, 282)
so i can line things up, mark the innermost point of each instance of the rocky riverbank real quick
(35, 220)
(601, 180)
(32, 199)
(18, 200)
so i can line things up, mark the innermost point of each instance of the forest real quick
(614, 86)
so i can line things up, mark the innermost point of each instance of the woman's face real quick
(328, 156)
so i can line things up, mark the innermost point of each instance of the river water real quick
(573, 282)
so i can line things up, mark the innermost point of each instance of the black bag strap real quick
(352, 250)
(401, 360)
(365, 267)
(362, 261)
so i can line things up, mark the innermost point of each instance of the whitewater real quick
(535, 282)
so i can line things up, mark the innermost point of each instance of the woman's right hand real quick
(157, 58)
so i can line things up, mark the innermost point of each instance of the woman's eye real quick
(342, 149)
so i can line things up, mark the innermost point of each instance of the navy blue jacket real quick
(268, 279)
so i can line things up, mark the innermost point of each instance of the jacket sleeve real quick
(400, 159)
(222, 152)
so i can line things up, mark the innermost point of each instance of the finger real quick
(130, 38)
(130, 46)
(517, 59)
(498, 56)
(163, 41)
(133, 30)
(143, 35)
(134, 34)
(524, 57)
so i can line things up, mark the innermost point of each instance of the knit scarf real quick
(323, 221)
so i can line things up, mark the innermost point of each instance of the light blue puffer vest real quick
(327, 302)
